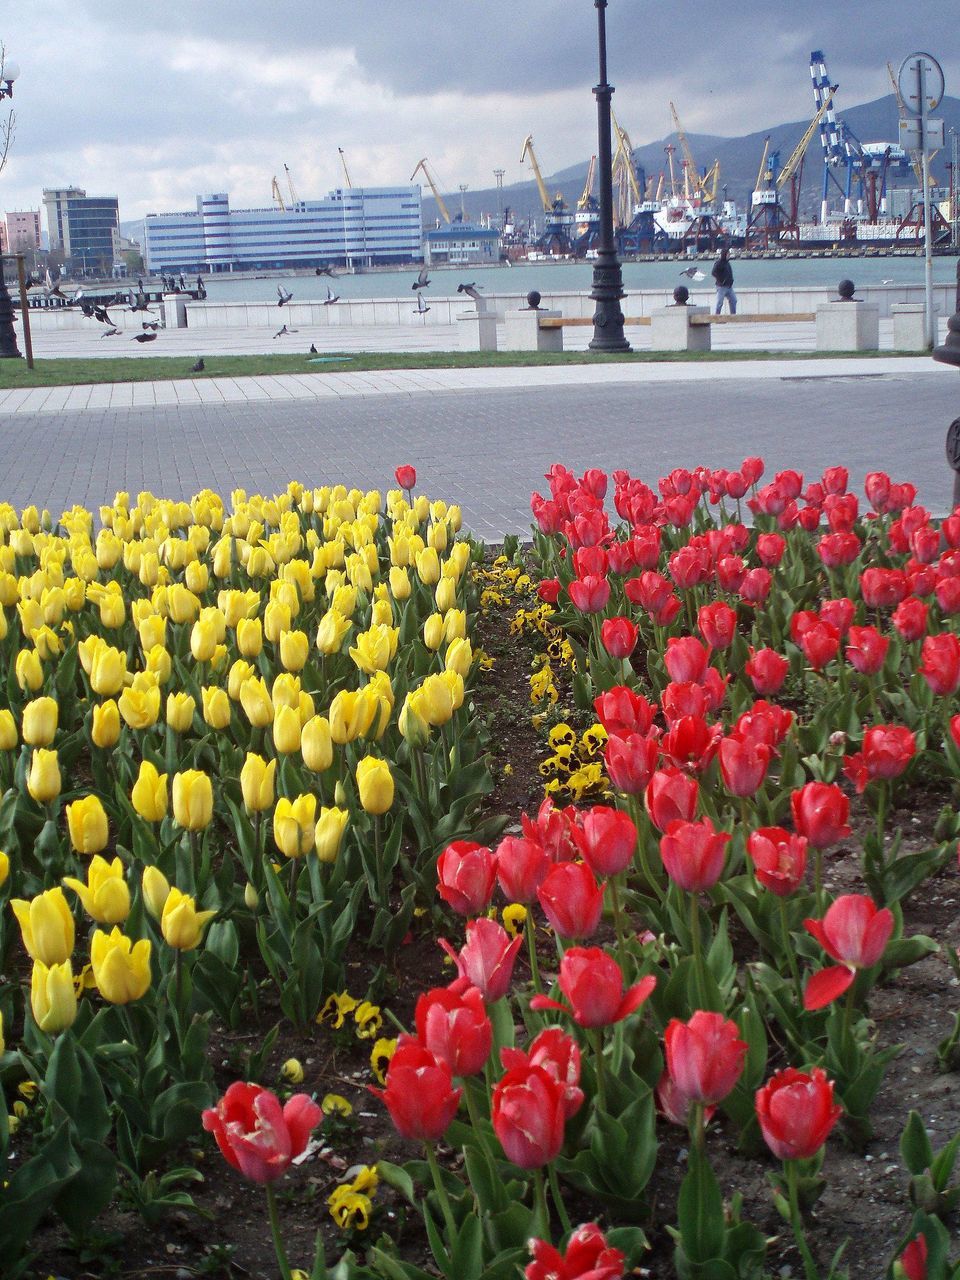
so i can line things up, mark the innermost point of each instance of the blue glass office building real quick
(359, 226)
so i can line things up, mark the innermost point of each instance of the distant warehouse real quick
(353, 226)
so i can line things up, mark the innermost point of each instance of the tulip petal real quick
(825, 986)
(635, 997)
(544, 1002)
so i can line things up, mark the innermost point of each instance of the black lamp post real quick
(607, 279)
(8, 338)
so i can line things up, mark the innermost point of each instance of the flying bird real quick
(139, 301)
(284, 295)
(198, 367)
(693, 273)
(421, 308)
(144, 337)
(331, 297)
(886, 282)
(150, 324)
(470, 290)
(110, 333)
(327, 270)
(100, 313)
(52, 290)
(284, 330)
(423, 280)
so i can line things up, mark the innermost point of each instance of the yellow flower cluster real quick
(367, 1018)
(351, 1203)
(573, 770)
(501, 583)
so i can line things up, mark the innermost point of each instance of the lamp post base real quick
(606, 292)
(8, 336)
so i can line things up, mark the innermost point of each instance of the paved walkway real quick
(480, 437)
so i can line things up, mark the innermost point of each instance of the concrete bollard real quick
(175, 312)
(848, 326)
(524, 332)
(477, 330)
(909, 326)
(671, 330)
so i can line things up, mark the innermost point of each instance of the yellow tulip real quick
(105, 896)
(286, 690)
(108, 670)
(256, 782)
(4, 872)
(412, 723)
(46, 925)
(286, 730)
(40, 719)
(382, 613)
(217, 711)
(43, 780)
(256, 703)
(459, 657)
(436, 705)
(379, 691)
(249, 636)
(155, 888)
(294, 823)
(328, 834)
(140, 707)
(113, 611)
(316, 744)
(277, 618)
(421, 507)
(453, 681)
(105, 728)
(8, 730)
(294, 649)
(183, 605)
(53, 998)
(149, 794)
(400, 587)
(375, 784)
(305, 707)
(203, 640)
(47, 643)
(331, 632)
(121, 967)
(350, 716)
(28, 670)
(375, 648)
(152, 630)
(437, 537)
(428, 566)
(445, 595)
(433, 632)
(180, 709)
(158, 663)
(344, 601)
(87, 824)
(192, 799)
(181, 924)
(238, 674)
(197, 577)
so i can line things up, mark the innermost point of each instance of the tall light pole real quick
(8, 338)
(498, 174)
(607, 278)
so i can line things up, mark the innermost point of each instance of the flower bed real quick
(691, 954)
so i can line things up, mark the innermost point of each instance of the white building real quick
(352, 226)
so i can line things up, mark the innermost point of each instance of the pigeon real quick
(326, 270)
(331, 297)
(313, 349)
(886, 282)
(198, 367)
(693, 273)
(150, 324)
(284, 295)
(139, 301)
(284, 330)
(422, 280)
(110, 333)
(470, 290)
(52, 290)
(421, 308)
(85, 307)
(100, 313)
(144, 337)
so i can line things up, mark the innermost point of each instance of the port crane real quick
(558, 221)
(294, 200)
(695, 187)
(277, 195)
(422, 167)
(346, 171)
(768, 222)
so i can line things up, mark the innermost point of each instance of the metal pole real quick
(24, 310)
(607, 277)
(927, 220)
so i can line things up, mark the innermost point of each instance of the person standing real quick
(723, 275)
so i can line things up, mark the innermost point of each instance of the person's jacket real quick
(723, 273)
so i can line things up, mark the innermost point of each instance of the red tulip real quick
(594, 481)
(838, 549)
(704, 1058)
(820, 812)
(743, 765)
(419, 1095)
(593, 983)
(913, 1260)
(855, 932)
(887, 750)
(590, 560)
(487, 959)
(651, 590)
(691, 743)
(693, 854)
(770, 549)
(796, 1112)
(671, 797)
(779, 859)
(454, 1026)
(948, 596)
(941, 663)
(910, 619)
(559, 1055)
(835, 479)
(621, 711)
(590, 594)
(730, 572)
(767, 670)
(717, 623)
(752, 469)
(619, 636)
(466, 874)
(549, 590)
(883, 587)
(686, 659)
(925, 544)
(406, 477)
(548, 515)
(588, 1257)
(866, 650)
(839, 613)
(572, 900)
(528, 1112)
(607, 839)
(755, 585)
(877, 488)
(630, 761)
(554, 830)
(258, 1136)
(679, 700)
(764, 722)
(691, 564)
(522, 866)
(663, 616)
(820, 644)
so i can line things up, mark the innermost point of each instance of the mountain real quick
(739, 161)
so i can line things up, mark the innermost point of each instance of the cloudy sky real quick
(157, 101)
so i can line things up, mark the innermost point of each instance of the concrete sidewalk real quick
(344, 385)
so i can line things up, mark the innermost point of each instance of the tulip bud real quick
(413, 726)
(251, 898)
(375, 784)
(46, 925)
(192, 799)
(249, 636)
(256, 782)
(155, 888)
(149, 793)
(180, 709)
(43, 780)
(181, 924)
(328, 834)
(53, 999)
(8, 730)
(108, 670)
(238, 675)
(40, 718)
(256, 703)
(28, 671)
(286, 730)
(340, 796)
(433, 632)
(316, 744)
(87, 824)
(294, 649)
(400, 587)
(217, 711)
(105, 727)
(294, 824)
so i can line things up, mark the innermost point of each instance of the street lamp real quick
(607, 279)
(8, 338)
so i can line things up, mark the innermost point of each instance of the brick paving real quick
(484, 438)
